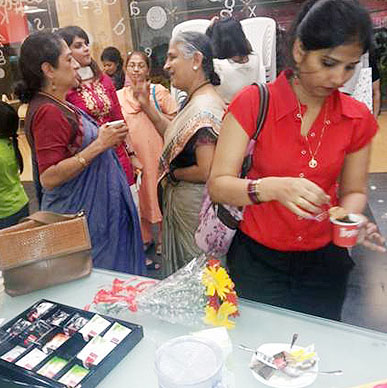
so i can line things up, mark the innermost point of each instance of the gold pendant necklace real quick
(313, 162)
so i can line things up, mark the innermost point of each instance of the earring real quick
(296, 75)
(53, 87)
(195, 68)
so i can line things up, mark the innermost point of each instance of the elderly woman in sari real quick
(74, 159)
(189, 144)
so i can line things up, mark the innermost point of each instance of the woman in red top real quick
(313, 152)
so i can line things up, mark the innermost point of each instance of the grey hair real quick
(188, 49)
(191, 42)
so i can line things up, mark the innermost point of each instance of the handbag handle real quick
(263, 93)
(47, 218)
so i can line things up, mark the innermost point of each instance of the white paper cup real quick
(189, 362)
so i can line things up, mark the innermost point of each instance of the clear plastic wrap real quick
(199, 293)
(180, 298)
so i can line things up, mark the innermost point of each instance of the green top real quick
(12, 194)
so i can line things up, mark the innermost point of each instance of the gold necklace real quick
(313, 162)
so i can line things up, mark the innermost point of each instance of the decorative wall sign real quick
(156, 17)
(173, 14)
(228, 8)
(44, 17)
(134, 8)
(248, 9)
(120, 27)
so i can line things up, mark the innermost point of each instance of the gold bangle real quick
(81, 160)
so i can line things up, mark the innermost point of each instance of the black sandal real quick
(151, 265)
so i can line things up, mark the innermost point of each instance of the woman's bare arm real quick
(199, 172)
(299, 195)
(69, 168)
(141, 91)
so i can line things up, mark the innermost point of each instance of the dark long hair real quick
(228, 39)
(323, 24)
(112, 54)
(38, 48)
(9, 123)
(69, 33)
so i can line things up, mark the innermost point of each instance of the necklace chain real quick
(313, 162)
(195, 90)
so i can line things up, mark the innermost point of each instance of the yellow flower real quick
(220, 317)
(217, 280)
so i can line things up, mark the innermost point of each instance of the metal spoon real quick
(247, 348)
(337, 372)
(293, 372)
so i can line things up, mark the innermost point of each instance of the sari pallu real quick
(181, 202)
(102, 191)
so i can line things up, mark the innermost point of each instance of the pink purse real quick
(218, 223)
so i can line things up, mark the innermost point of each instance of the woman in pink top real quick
(96, 94)
(146, 140)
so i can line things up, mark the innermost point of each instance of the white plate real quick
(279, 379)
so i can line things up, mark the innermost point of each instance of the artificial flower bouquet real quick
(120, 296)
(200, 292)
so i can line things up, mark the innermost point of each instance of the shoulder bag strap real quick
(155, 99)
(263, 92)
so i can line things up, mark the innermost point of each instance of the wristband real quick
(253, 191)
(81, 160)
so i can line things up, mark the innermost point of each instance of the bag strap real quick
(46, 218)
(155, 99)
(263, 92)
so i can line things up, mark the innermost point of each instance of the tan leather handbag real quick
(44, 250)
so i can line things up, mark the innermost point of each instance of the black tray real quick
(12, 375)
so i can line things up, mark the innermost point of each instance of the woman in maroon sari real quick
(74, 160)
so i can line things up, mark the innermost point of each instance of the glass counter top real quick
(360, 353)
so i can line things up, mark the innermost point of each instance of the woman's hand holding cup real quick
(112, 134)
